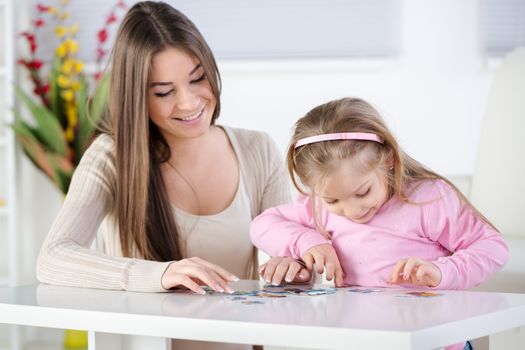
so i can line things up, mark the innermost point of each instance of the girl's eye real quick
(199, 79)
(163, 94)
(330, 202)
(361, 195)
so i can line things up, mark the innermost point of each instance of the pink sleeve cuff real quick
(447, 268)
(306, 241)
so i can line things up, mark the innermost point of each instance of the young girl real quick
(372, 211)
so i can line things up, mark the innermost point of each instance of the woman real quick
(172, 192)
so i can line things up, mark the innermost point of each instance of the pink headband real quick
(338, 136)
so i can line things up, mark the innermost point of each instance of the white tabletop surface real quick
(386, 319)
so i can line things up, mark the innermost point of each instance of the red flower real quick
(41, 8)
(102, 35)
(111, 18)
(41, 90)
(121, 4)
(39, 23)
(28, 35)
(98, 75)
(100, 53)
(35, 64)
(31, 40)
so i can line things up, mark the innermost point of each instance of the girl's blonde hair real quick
(144, 215)
(310, 164)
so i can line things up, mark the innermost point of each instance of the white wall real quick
(433, 96)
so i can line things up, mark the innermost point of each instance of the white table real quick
(337, 321)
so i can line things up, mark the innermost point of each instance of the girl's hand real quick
(279, 267)
(194, 272)
(415, 271)
(324, 256)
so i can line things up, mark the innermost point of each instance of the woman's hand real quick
(279, 267)
(324, 256)
(415, 271)
(194, 272)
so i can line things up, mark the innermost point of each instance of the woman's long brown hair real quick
(145, 219)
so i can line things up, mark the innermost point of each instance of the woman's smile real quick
(192, 117)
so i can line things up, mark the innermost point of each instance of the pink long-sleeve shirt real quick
(435, 226)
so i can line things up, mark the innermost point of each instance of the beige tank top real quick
(221, 238)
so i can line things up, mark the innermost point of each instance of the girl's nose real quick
(349, 212)
(352, 211)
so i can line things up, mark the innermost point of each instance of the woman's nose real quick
(187, 100)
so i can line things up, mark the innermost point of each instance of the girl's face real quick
(353, 194)
(180, 98)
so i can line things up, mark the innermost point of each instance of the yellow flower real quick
(61, 50)
(67, 66)
(74, 29)
(63, 15)
(64, 2)
(63, 81)
(70, 135)
(60, 31)
(72, 46)
(52, 10)
(78, 66)
(68, 95)
(75, 86)
(71, 113)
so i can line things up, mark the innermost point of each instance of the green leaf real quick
(56, 101)
(35, 153)
(21, 128)
(90, 112)
(99, 102)
(57, 168)
(62, 177)
(84, 127)
(48, 129)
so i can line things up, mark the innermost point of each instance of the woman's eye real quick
(199, 79)
(163, 94)
(360, 195)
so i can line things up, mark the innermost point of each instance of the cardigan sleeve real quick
(478, 250)
(263, 168)
(276, 185)
(66, 258)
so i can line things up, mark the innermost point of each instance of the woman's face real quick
(180, 98)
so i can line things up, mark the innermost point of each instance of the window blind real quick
(246, 29)
(502, 24)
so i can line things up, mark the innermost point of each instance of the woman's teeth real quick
(191, 117)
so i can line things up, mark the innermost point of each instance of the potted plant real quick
(64, 108)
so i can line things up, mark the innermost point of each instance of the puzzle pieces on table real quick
(269, 291)
(252, 302)
(425, 294)
(237, 298)
(366, 290)
(297, 290)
